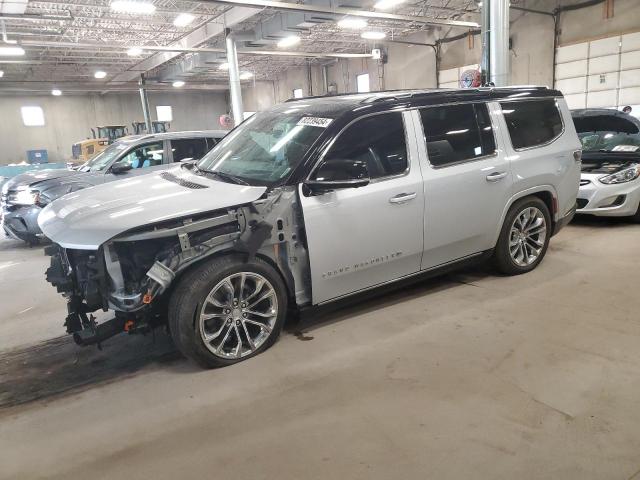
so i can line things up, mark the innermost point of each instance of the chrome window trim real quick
(540, 145)
(460, 162)
(355, 120)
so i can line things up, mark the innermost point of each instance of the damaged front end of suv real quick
(133, 274)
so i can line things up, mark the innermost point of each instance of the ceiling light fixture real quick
(354, 23)
(56, 93)
(373, 35)
(134, 51)
(246, 75)
(1, 74)
(15, 51)
(289, 41)
(100, 74)
(129, 6)
(183, 19)
(387, 4)
(223, 66)
(178, 84)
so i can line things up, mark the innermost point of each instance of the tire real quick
(522, 246)
(636, 217)
(202, 306)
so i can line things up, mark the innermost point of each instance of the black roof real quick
(336, 105)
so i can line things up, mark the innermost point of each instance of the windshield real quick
(266, 148)
(104, 158)
(609, 141)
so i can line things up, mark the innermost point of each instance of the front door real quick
(467, 181)
(366, 236)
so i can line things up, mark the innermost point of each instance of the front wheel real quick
(524, 237)
(227, 310)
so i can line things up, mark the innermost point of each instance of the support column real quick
(485, 34)
(234, 80)
(499, 42)
(145, 104)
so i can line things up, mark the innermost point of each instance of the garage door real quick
(601, 73)
(450, 78)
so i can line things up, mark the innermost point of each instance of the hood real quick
(87, 218)
(36, 176)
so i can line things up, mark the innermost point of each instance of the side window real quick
(212, 142)
(148, 155)
(532, 122)
(457, 133)
(184, 148)
(377, 141)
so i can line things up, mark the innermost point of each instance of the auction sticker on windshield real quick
(315, 121)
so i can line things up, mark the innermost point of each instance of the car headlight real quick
(25, 196)
(623, 176)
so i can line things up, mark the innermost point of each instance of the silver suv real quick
(313, 201)
(25, 195)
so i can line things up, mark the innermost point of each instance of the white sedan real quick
(610, 180)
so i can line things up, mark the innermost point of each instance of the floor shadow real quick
(57, 366)
(375, 299)
(605, 222)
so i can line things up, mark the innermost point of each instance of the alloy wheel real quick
(527, 236)
(238, 315)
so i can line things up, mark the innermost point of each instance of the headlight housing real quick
(25, 196)
(623, 176)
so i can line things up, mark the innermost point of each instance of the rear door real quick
(467, 180)
(366, 236)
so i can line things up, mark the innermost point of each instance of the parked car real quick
(610, 181)
(24, 196)
(313, 201)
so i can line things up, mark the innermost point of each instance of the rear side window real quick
(186, 148)
(457, 133)
(533, 122)
(379, 141)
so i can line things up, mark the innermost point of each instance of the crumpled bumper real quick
(21, 223)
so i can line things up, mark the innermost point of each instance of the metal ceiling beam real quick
(342, 11)
(178, 50)
(198, 36)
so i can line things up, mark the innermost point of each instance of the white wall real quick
(69, 118)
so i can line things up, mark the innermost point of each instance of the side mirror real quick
(339, 173)
(118, 168)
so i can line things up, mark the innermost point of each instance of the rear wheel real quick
(227, 310)
(524, 237)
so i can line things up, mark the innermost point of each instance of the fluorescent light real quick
(100, 74)
(246, 75)
(289, 41)
(134, 51)
(387, 4)
(1, 74)
(223, 66)
(183, 19)
(178, 83)
(373, 35)
(129, 6)
(11, 51)
(55, 92)
(354, 23)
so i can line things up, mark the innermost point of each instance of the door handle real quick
(402, 197)
(495, 176)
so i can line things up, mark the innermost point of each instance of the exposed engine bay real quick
(607, 165)
(133, 273)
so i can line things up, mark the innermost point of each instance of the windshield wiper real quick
(228, 177)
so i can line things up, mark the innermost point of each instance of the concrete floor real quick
(466, 376)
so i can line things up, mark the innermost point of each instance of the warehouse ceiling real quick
(66, 42)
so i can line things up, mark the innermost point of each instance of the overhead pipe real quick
(342, 11)
(235, 88)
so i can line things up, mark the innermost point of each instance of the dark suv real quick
(24, 196)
